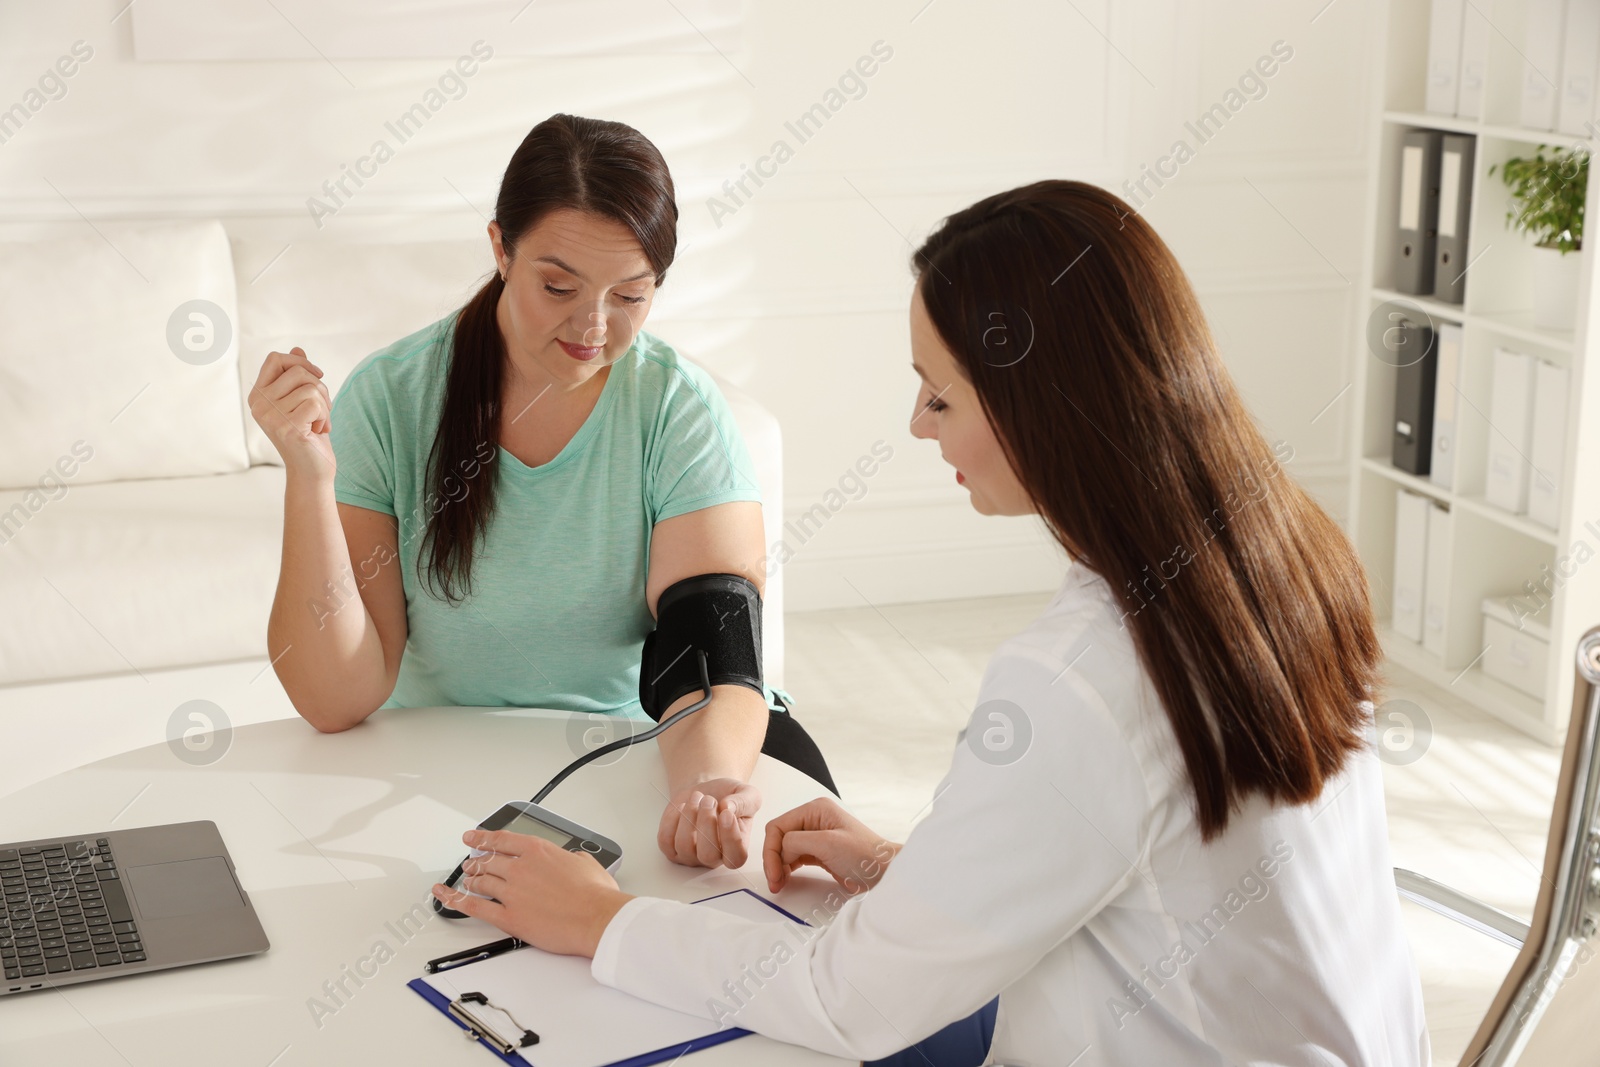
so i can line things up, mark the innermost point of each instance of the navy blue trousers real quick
(964, 1043)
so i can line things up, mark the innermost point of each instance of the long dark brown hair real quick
(1091, 359)
(605, 168)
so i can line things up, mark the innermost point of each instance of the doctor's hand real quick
(705, 824)
(822, 834)
(556, 900)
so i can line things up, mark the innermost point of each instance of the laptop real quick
(81, 908)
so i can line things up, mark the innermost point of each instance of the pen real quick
(472, 955)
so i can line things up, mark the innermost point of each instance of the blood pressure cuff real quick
(719, 614)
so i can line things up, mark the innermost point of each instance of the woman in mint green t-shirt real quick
(512, 488)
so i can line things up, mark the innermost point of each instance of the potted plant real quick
(1547, 195)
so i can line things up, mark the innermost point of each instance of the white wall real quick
(800, 294)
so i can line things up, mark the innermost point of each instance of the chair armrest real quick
(1453, 904)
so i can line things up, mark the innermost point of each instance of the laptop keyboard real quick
(63, 908)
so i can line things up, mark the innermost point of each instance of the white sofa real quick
(141, 509)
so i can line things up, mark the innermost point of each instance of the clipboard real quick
(501, 1021)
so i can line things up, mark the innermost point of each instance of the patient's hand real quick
(706, 824)
(292, 406)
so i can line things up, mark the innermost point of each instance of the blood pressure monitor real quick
(525, 817)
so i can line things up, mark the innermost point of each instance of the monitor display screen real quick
(524, 824)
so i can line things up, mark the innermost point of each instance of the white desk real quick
(336, 838)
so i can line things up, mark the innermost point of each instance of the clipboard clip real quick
(478, 1030)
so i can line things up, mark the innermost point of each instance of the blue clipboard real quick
(671, 1052)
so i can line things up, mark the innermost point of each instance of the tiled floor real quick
(884, 690)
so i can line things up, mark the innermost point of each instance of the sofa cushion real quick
(137, 575)
(99, 346)
(343, 301)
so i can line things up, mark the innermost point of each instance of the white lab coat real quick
(1066, 873)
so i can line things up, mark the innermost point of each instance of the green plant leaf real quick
(1547, 196)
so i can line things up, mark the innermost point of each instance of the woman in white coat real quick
(1162, 837)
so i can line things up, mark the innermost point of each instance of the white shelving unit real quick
(1492, 552)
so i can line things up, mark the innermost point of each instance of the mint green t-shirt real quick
(558, 615)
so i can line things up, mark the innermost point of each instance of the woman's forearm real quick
(323, 644)
(721, 740)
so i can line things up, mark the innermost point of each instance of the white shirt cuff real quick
(606, 953)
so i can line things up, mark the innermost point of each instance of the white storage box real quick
(1515, 656)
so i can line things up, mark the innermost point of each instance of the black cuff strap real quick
(719, 614)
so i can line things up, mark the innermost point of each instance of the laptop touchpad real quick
(184, 887)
